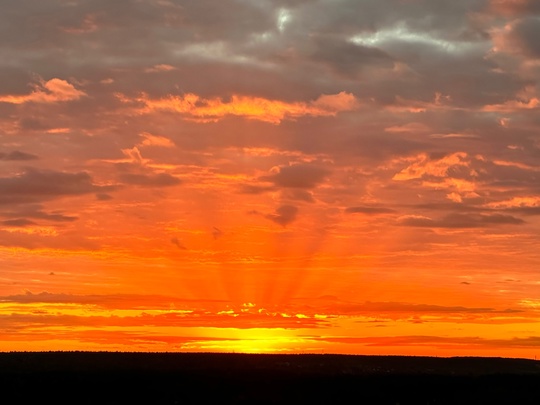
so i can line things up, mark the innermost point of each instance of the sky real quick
(292, 176)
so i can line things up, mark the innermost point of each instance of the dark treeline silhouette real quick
(206, 378)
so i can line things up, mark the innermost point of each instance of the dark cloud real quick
(349, 59)
(298, 176)
(50, 216)
(63, 241)
(176, 242)
(412, 308)
(36, 212)
(516, 7)
(150, 180)
(18, 222)
(329, 304)
(297, 195)
(461, 221)
(439, 341)
(217, 233)
(36, 185)
(524, 34)
(254, 189)
(119, 301)
(368, 210)
(533, 210)
(284, 215)
(103, 197)
(17, 156)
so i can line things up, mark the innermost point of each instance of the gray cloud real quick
(36, 185)
(217, 233)
(35, 212)
(254, 189)
(298, 176)
(284, 215)
(297, 195)
(17, 156)
(461, 221)
(150, 180)
(18, 222)
(368, 210)
(103, 197)
(516, 7)
(176, 242)
(524, 35)
(349, 59)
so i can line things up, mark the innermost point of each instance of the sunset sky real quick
(322, 176)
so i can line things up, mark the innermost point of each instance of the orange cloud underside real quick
(256, 108)
(378, 328)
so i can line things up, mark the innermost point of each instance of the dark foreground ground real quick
(166, 378)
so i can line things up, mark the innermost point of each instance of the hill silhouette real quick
(205, 378)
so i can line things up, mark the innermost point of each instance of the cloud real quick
(426, 166)
(516, 7)
(35, 212)
(297, 176)
(524, 35)
(176, 242)
(34, 185)
(516, 202)
(103, 197)
(350, 59)
(460, 221)
(297, 195)
(155, 140)
(134, 154)
(118, 301)
(18, 222)
(368, 210)
(52, 91)
(411, 308)
(439, 341)
(284, 215)
(150, 180)
(249, 107)
(402, 310)
(17, 156)
(254, 189)
(160, 68)
(217, 233)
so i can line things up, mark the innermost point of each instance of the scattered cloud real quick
(34, 185)
(460, 221)
(18, 222)
(389, 138)
(160, 68)
(303, 176)
(17, 156)
(284, 215)
(150, 180)
(156, 140)
(51, 91)
(217, 233)
(255, 108)
(176, 242)
(370, 210)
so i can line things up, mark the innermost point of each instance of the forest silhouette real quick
(205, 378)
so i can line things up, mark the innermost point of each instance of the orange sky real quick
(274, 176)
